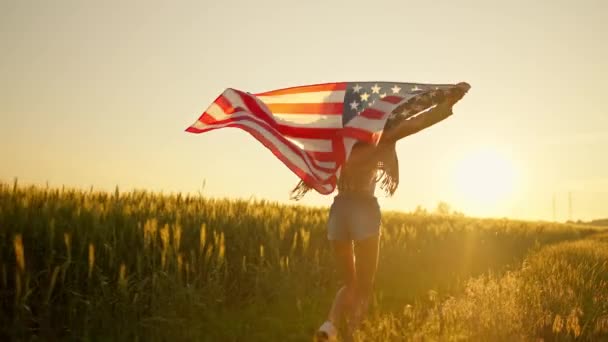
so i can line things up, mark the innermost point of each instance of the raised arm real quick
(425, 119)
(364, 153)
(417, 123)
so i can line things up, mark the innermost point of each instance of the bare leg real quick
(366, 256)
(343, 302)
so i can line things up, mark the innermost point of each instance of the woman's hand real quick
(417, 123)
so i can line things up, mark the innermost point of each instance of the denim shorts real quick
(353, 217)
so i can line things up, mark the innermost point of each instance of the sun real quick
(484, 178)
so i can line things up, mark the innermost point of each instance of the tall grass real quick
(141, 266)
(559, 294)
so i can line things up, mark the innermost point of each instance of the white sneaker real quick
(327, 332)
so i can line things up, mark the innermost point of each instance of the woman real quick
(354, 219)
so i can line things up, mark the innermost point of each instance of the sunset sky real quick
(99, 94)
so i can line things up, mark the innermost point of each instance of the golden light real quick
(484, 178)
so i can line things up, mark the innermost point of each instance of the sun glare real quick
(484, 178)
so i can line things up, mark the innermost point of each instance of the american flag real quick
(313, 128)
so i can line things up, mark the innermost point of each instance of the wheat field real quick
(140, 266)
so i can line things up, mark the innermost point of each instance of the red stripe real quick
(392, 99)
(192, 129)
(273, 131)
(306, 108)
(308, 133)
(225, 105)
(306, 89)
(292, 131)
(322, 156)
(254, 108)
(371, 113)
(222, 103)
(207, 119)
(339, 150)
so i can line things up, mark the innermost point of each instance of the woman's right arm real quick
(425, 119)
(417, 123)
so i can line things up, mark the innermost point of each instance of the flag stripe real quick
(307, 120)
(373, 113)
(313, 97)
(255, 108)
(339, 150)
(219, 112)
(299, 132)
(326, 159)
(292, 129)
(234, 99)
(306, 89)
(224, 105)
(306, 108)
(362, 135)
(392, 99)
(307, 132)
(313, 145)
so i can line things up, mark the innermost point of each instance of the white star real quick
(376, 89)
(383, 95)
(357, 88)
(364, 96)
(396, 89)
(354, 105)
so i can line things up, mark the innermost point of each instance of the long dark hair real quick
(387, 175)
